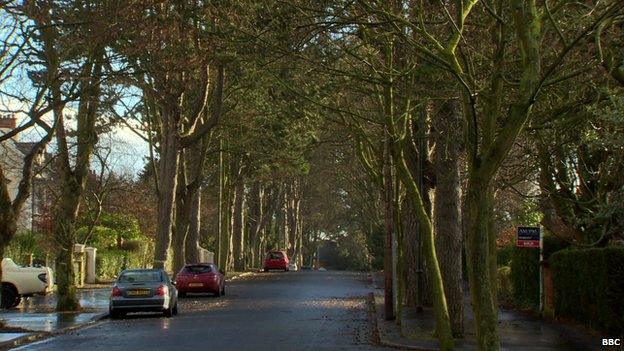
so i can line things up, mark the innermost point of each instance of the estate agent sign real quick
(528, 237)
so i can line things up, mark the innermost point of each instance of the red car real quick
(200, 278)
(276, 260)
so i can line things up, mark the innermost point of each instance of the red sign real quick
(528, 237)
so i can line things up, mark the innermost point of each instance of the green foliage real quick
(353, 252)
(524, 276)
(111, 229)
(24, 244)
(504, 255)
(346, 252)
(109, 263)
(137, 246)
(589, 285)
(101, 237)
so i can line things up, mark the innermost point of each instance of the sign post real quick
(531, 237)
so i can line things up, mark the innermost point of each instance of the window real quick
(140, 277)
(276, 255)
(198, 269)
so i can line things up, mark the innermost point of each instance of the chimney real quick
(8, 121)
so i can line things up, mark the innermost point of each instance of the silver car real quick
(143, 290)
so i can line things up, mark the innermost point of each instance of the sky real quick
(128, 152)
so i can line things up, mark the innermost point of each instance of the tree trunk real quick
(255, 220)
(237, 226)
(293, 201)
(447, 205)
(8, 220)
(481, 262)
(389, 235)
(285, 228)
(192, 238)
(410, 255)
(229, 217)
(222, 228)
(180, 229)
(64, 236)
(168, 176)
(73, 181)
(416, 157)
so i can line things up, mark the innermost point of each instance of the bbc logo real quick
(611, 342)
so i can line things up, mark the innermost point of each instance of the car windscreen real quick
(140, 277)
(198, 269)
(276, 256)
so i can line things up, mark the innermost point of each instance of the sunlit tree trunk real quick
(168, 176)
(180, 229)
(237, 225)
(192, 238)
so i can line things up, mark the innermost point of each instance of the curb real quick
(38, 336)
(380, 339)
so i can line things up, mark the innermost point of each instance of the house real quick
(12, 154)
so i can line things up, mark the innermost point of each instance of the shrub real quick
(109, 263)
(137, 246)
(111, 230)
(24, 244)
(589, 287)
(503, 255)
(524, 275)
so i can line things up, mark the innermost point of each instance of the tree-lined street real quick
(459, 148)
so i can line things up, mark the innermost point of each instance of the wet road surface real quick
(306, 310)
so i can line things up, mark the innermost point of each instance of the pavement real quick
(517, 331)
(304, 310)
(35, 318)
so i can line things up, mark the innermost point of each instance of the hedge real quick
(109, 263)
(524, 274)
(589, 287)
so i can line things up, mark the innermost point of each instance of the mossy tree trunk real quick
(447, 207)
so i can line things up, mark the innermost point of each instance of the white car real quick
(19, 282)
(292, 266)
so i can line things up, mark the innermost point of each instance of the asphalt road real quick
(306, 310)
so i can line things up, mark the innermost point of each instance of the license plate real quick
(195, 284)
(138, 292)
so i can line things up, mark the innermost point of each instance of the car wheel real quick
(17, 301)
(218, 293)
(286, 269)
(223, 290)
(175, 309)
(168, 312)
(9, 295)
(266, 269)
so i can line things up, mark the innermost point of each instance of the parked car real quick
(143, 290)
(22, 282)
(276, 260)
(200, 278)
(292, 266)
